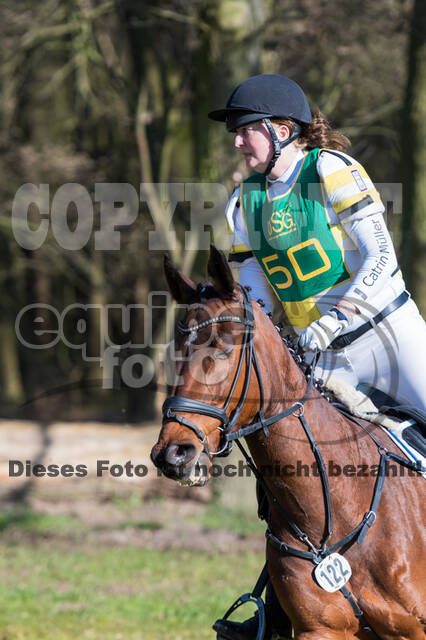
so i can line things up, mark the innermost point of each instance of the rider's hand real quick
(319, 334)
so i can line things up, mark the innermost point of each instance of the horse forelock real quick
(206, 302)
(206, 291)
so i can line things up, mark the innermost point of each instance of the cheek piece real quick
(277, 145)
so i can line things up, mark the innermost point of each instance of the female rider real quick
(308, 226)
(309, 222)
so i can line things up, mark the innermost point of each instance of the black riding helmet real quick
(263, 97)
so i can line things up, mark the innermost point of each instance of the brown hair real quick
(318, 133)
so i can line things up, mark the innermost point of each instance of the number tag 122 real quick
(333, 572)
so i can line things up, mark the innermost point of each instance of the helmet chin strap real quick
(277, 145)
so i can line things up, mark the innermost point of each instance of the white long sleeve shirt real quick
(355, 216)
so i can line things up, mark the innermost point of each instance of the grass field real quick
(99, 559)
(117, 593)
(61, 578)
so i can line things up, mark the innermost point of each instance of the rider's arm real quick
(379, 265)
(354, 205)
(242, 258)
(359, 211)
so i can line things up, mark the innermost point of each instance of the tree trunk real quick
(414, 160)
(12, 381)
(97, 322)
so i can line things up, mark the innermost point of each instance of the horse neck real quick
(284, 384)
(287, 443)
(282, 380)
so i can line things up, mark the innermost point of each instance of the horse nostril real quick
(154, 455)
(179, 454)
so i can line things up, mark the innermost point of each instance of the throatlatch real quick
(318, 556)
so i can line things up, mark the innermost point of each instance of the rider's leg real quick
(410, 352)
(247, 630)
(391, 357)
(388, 358)
(401, 352)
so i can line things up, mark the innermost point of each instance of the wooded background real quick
(118, 92)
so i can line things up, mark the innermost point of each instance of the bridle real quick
(175, 404)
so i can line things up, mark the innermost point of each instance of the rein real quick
(175, 404)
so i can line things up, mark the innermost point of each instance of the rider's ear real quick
(182, 288)
(220, 273)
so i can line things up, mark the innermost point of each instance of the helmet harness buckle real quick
(278, 145)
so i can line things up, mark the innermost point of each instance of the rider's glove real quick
(319, 334)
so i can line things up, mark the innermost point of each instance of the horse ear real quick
(220, 272)
(182, 288)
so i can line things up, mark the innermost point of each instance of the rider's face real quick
(255, 144)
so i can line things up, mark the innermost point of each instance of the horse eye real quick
(223, 354)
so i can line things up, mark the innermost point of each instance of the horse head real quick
(212, 374)
(236, 379)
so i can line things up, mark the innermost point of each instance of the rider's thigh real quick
(410, 330)
(336, 364)
(391, 357)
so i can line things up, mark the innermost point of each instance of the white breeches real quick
(391, 358)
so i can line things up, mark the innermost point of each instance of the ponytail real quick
(318, 133)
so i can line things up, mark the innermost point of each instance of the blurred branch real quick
(156, 210)
(168, 14)
(381, 112)
(39, 34)
(387, 132)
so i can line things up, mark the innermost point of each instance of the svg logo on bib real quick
(280, 223)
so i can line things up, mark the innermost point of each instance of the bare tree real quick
(414, 159)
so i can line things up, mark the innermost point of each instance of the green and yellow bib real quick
(292, 240)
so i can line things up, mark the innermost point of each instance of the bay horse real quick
(238, 379)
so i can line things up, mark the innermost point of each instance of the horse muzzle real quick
(179, 461)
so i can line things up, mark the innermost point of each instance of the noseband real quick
(315, 555)
(175, 404)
